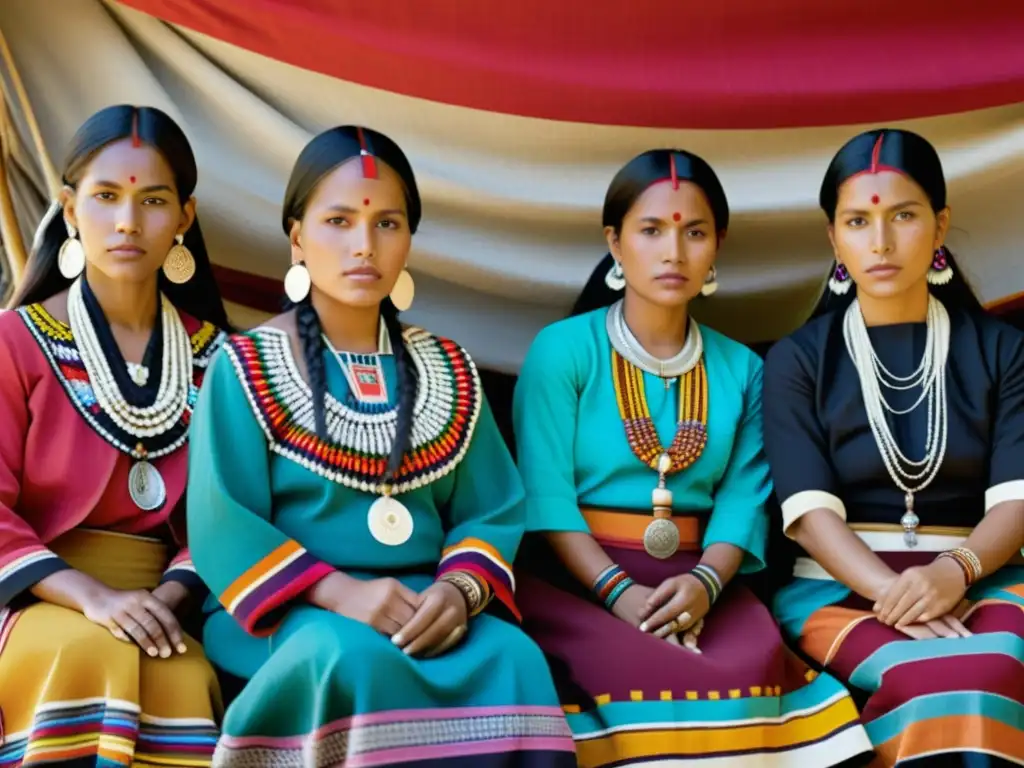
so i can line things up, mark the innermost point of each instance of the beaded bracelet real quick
(610, 584)
(968, 562)
(708, 577)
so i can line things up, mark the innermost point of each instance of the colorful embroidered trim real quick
(256, 597)
(445, 414)
(58, 345)
(610, 585)
(25, 566)
(182, 570)
(480, 559)
(691, 429)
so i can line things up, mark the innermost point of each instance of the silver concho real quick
(661, 539)
(389, 521)
(146, 486)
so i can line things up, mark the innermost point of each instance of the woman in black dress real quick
(894, 426)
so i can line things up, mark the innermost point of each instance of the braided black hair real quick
(321, 156)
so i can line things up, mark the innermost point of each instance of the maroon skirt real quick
(633, 698)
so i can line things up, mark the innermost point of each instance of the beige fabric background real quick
(512, 205)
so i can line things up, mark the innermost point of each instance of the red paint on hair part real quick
(136, 141)
(675, 174)
(677, 216)
(876, 153)
(368, 160)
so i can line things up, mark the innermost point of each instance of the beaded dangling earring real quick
(710, 282)
(941, 272)
(840, 281)
(297, 283)
(615, 279)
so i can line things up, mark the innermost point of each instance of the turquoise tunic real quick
(269, 523)
(745, 697)
(573, 451)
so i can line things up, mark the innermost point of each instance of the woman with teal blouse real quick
(640, 444)
(356, 510)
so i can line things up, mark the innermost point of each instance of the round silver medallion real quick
(661, 539)
(146, 486)
(389, 521)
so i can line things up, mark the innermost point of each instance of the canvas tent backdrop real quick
(516, 120)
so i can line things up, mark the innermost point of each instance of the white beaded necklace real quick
(627, 345)
(930, 375)
(146, 486)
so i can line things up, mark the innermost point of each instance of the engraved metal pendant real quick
(661, 538)
(146, 486)
(910, 521)
(389, 521)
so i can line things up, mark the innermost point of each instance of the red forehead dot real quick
(874, 199)
(366, 201)
(131, 179)
(676, 216)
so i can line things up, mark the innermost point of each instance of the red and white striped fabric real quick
(517, 115)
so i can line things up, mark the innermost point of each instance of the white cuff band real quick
(1009, 491)
(799, 504)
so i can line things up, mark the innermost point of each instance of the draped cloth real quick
(513, 176)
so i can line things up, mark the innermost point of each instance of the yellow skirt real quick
(70, 691)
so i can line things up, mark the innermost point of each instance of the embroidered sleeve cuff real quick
(183, 571)
(1009, 491)
(799, 504)
(480, 559)
(259, 597)
(24, 568)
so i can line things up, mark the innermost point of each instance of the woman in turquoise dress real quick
(640, 444)
(356, 511)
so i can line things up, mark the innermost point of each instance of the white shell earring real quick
(404, 292)
(615, 279)
(71, 257)
(710, 282)
(297, 282)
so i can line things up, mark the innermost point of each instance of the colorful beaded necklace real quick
(661, 538)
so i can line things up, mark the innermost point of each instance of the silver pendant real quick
(661, 539)
(389, 521)
(146, 486)
(909, 522)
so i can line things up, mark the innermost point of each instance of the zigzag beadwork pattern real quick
(355, 453)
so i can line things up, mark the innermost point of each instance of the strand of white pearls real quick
(932, 379)
(175, 371)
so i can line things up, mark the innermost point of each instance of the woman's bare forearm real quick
(581, 554)
(999, 536)
(826, 537)
(70, 589)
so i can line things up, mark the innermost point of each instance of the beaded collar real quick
(448, 402)
(58, 346)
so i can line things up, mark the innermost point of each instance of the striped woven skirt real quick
(326, 690)
(634, 699)
(945, 701)
(73, 694)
